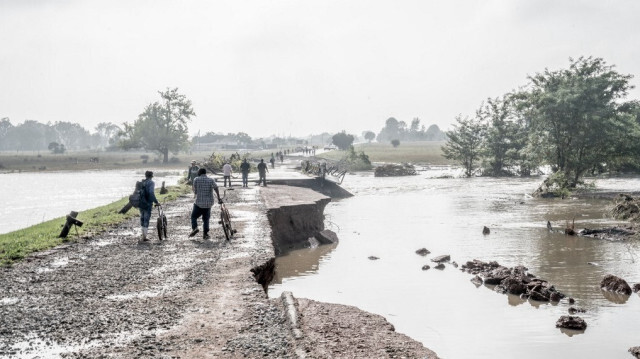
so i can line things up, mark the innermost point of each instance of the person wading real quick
(203, 188)
(146, 203)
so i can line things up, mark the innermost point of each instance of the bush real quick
(395, 143)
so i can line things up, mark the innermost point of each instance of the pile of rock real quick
(515, 280)
(394, 170)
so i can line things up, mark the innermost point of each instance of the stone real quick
(486, 230)
(635, 351)
(636, 287)
(423, 251)
(571, 322)
(439, 266)
(574, 310)
(611, 283)
(476, 280)
(426, 267)
(326, 237)
(373, 258)
(441, 259)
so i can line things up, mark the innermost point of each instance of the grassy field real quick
(424, 152)
(31, 161)
(14, 246)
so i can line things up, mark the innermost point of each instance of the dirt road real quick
(112, 296)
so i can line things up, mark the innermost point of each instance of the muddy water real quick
(31, 198)
(390, 218)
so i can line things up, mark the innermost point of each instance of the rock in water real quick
(422, 251)
(486, 230)
(615, 284)
(571, 322)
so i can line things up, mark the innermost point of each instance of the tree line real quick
(57, 137)
(576, 120)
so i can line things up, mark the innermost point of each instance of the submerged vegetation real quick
(15, 246)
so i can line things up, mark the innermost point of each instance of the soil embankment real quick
(111, 296)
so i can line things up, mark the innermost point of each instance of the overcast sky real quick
(294, 67)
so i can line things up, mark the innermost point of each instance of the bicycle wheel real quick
(164, 226)
(226, 224)
(159, 228)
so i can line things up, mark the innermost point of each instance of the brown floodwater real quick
(391, 218)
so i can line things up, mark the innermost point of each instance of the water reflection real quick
(393, 217)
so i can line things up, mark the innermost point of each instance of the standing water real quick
(31, 198)
(390, 218)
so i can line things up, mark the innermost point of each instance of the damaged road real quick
(111, 296)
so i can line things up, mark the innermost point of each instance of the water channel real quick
(391, 218)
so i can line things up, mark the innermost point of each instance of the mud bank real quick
(295, 214)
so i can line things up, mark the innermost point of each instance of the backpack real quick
(139, 196)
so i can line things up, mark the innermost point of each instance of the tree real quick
(390, 130)
(464, 143)
(342, 140)
(501, 145)
(56, 148)
(106, 132)
(369, 136)
(578, 116)
(395, 143)
(162, 126)
(5, 129)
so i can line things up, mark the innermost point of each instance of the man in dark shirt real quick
(146, 203)
(192, 172)
(262, 172)
(203, 188)
(245, 167)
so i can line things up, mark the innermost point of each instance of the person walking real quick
(245, 167)
(146, 203)
(262, 172)
(273, 162)
(203, 188)
(192, 172)
(226, 173)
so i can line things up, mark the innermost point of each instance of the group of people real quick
(203, 188)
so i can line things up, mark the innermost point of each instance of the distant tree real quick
(434, 133)
(390, 130)
(369, 136)
(162, 126)
(72, 134)
(106, 133)
(5, 129)
(243, 138)
(395, 143)
(56, 148)
(464, 144)
(342, 140)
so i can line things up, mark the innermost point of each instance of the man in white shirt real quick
(226, 172)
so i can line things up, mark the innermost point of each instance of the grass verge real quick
(15, 246)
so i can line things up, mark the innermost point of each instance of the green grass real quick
(15, 246)
(424, 152)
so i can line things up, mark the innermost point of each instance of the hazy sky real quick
(294, 67)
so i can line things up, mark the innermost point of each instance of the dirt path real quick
(114, 297)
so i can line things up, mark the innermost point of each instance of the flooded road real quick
(391, 218)
(32, 198)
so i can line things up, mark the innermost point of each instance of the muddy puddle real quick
(390, 218)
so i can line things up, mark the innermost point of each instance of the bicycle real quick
(225, 218)
(161, 224)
